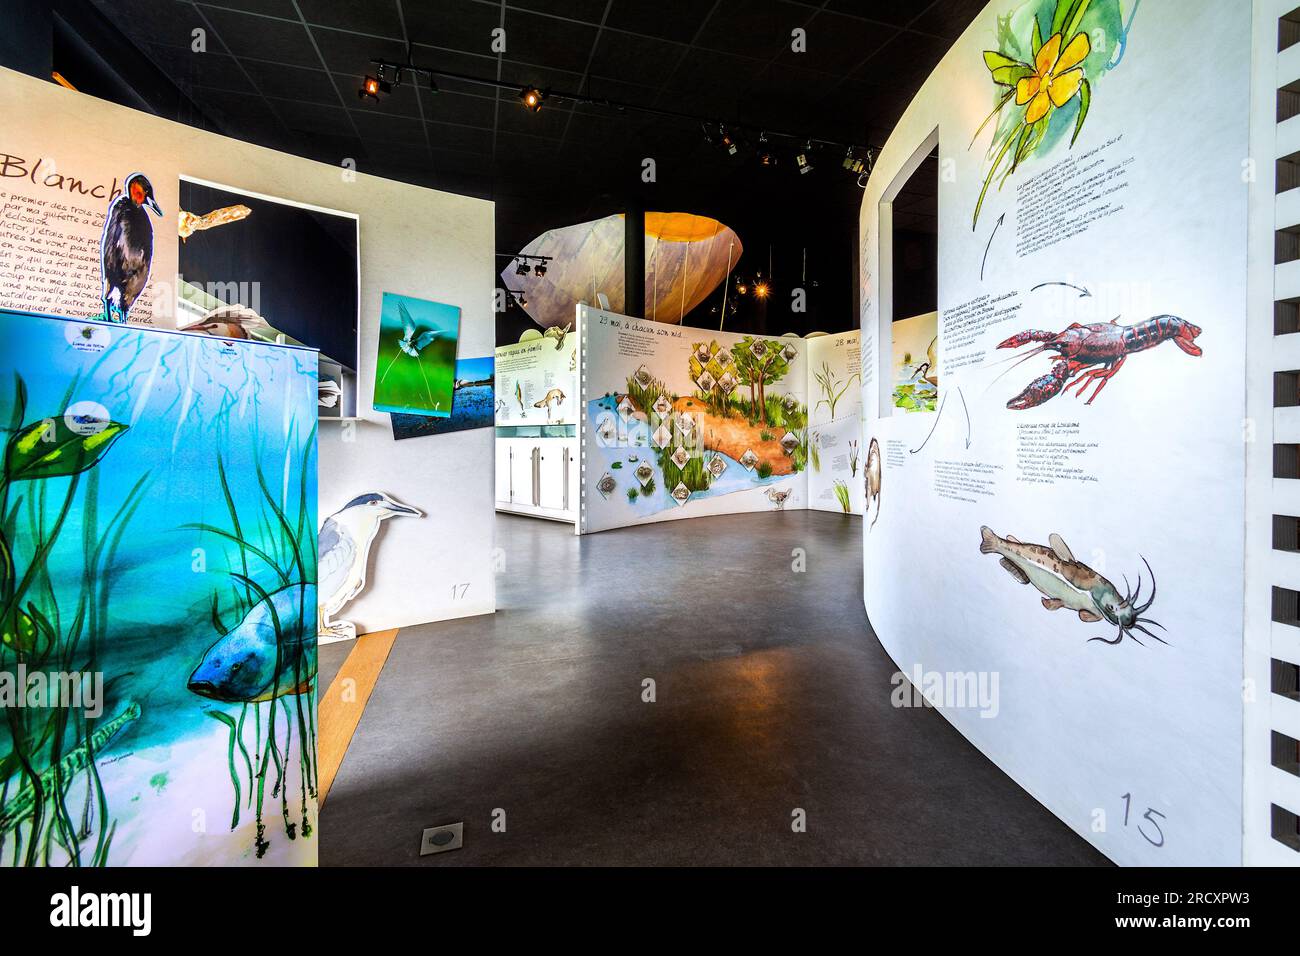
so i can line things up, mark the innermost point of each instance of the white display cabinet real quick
(538, 476)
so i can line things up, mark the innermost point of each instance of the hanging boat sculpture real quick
(686, 257)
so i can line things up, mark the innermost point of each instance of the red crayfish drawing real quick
(1094, 353)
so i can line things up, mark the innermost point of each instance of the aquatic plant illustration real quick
(49, 475)
(1068, 583)
(1050, 54)
(1093, 354)
(262, 664)
(831, 387)
(123, 561)
(842, 495)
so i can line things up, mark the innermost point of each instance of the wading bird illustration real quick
(126, 247)
(344, 549)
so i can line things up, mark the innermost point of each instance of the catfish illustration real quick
(1066, 582)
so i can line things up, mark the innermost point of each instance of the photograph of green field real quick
(416, 368)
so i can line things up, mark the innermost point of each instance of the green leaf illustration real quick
(1011, 75)
(1085, 98)
(24, 631)
(996, 61)
(50, 449)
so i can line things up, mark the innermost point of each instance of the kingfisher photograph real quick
(416, 370)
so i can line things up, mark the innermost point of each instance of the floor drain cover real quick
(441, 839)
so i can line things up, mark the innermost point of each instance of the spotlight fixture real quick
(803, 159)
(765, 156)
(741, 287)
(532, 98)
(708, 134)
(539, 270)
(760, 289)
(728, 141)
(522, 268)
(853, 163)
(373, 86)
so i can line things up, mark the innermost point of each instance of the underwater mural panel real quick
(158, 591)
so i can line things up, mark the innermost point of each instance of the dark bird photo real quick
(126, 247)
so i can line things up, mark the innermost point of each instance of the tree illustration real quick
(759, 363)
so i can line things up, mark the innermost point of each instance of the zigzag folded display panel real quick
(158, 661)
(679, 422)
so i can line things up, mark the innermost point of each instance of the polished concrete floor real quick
(771, 696)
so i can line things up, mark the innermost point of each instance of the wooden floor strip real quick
(342, 705)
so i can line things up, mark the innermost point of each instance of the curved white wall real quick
(1138, 747)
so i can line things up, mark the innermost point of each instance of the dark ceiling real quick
(285, 73)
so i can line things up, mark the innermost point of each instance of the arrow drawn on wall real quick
(990, 244)
(1083, 292)
(939, 415)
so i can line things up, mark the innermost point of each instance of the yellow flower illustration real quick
(1056, 76)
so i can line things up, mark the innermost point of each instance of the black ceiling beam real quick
(618, 106)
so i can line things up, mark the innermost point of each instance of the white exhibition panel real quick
(537, 381)
(414, 241)
(836, 468)
(536, 396)
(620, 451)
(1137, 747)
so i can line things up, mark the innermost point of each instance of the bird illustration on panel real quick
(344, 546)
(126, 246)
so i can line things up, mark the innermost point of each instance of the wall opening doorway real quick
(909, 290)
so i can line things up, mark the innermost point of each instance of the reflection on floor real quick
(771, 695)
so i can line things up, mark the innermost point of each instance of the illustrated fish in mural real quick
(126, 247)
(20, 807)
(1068, 583)
(248, 664)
